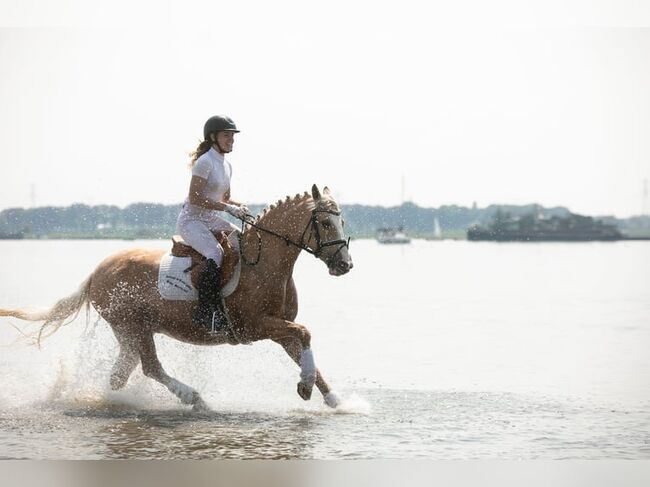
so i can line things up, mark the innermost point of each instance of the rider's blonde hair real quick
(202, 148)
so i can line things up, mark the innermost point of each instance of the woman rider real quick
(201, 215)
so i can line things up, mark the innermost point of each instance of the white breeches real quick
(197, 229)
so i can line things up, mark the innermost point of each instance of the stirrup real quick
(206, 318)
(218, 326)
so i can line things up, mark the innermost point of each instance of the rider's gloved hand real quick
(236, 211)
(247, 211)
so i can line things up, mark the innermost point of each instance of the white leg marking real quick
(307, 367)
(332, 399)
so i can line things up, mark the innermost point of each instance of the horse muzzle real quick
(340, 267)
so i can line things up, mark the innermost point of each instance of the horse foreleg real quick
(277, 329)
(290, 301)
(152, 368)
(292, 347)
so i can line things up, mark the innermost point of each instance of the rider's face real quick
(225, 141)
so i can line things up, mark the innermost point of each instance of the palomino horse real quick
(124, 291)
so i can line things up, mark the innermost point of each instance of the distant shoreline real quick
(158, 221)
(359, 237)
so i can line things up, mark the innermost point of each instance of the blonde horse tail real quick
(63, 312)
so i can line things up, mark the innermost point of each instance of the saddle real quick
(228, 265)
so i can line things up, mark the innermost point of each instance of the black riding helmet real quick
(218, 123)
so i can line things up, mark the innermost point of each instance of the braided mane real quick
(282, 205)
(305, 200)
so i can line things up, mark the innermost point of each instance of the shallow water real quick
(444, 350)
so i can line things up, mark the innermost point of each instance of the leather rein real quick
(312, 226)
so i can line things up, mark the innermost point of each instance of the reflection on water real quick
(233, 435)
(402, 424)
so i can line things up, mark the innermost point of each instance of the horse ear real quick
(326, 190)
(315, 193)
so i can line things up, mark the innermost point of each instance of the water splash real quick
(354, 404)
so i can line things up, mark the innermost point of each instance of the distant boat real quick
(437, 233)
(392, 236)
(535, 228)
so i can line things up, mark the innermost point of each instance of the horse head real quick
(326, 234)
(309, 222)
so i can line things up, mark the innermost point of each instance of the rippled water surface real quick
(439, 349)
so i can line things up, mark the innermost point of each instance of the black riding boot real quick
(210, 313)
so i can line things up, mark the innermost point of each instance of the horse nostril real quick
(345, 266)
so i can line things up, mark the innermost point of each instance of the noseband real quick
(312, 226)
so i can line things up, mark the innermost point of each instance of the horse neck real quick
(288, 219)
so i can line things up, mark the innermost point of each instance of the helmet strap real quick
(215, 142)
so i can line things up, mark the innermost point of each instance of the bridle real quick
(312, 227)
(320, 245)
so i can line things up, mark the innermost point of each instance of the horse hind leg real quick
(152, 368)
(125, 364)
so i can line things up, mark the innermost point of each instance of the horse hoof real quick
(199, 406)
(304, 391)
(332, 400)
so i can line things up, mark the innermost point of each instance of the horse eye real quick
(326, 224)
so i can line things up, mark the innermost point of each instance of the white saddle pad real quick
(176, 285)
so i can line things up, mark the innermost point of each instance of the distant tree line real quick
(151, 220)
(138, 219)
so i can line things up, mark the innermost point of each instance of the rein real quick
(312, 226)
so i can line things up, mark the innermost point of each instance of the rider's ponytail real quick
(200, 150)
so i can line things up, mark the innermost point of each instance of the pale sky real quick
(516, 103)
